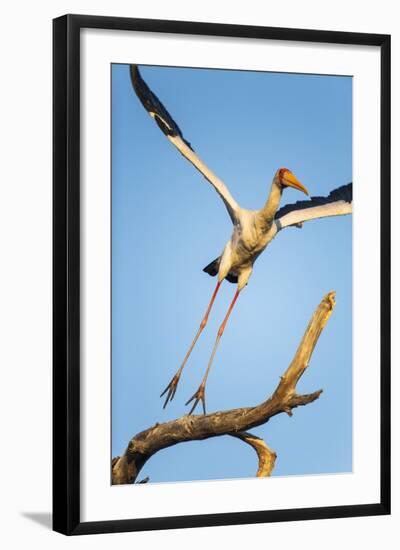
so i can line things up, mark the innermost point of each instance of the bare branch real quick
(232, 422)
(300, 362)
(266, 456)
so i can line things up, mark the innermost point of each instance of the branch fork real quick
(234, 422)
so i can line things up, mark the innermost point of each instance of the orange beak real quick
(290, 180)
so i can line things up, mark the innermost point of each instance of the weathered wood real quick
(266, 456)
(232, 422)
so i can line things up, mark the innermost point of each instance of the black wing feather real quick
(213, 268)
(343, 193)
(153, 105)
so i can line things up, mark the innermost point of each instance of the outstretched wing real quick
(170, 128)
(338, 203)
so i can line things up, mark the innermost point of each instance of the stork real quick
(253, 230)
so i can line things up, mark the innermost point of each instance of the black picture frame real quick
(66, 273)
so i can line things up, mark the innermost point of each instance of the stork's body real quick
(247, 242)
(253, 230)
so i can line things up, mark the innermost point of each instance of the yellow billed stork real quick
(253, 230)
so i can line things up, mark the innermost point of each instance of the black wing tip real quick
(136, 77)
(154, 106)
(344, 193)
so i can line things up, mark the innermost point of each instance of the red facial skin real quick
(282, 173)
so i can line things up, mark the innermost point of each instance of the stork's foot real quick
(197, 397)
(171, 388)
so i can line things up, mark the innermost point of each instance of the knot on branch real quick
(288, 410)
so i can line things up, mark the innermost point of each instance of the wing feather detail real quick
(339, 202)
(170, 128)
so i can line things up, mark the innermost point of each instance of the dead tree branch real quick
(266, 456)
(234, 422)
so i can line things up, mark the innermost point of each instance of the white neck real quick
(271, 206)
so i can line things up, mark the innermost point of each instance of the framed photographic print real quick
(221, 274)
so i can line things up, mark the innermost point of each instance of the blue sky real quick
(168, 223)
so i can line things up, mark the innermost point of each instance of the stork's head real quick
(286, 178)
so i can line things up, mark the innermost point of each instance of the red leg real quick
(171, 388)
(199, 395)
